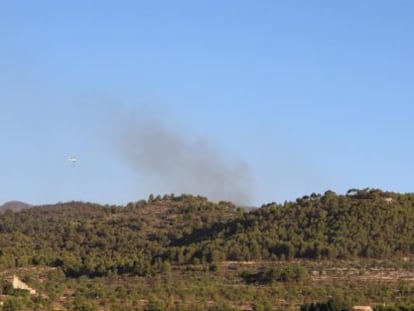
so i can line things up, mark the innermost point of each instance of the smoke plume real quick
(183, 165)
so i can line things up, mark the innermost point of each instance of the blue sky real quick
(306, 95)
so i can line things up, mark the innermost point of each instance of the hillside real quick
(364, 223)
(359, 245)
(87, 238)
(14, 206)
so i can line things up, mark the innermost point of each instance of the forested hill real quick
(141, 238)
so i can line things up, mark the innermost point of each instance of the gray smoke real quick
(184, 165)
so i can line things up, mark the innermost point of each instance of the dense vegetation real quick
(163, 236)
(330, 305)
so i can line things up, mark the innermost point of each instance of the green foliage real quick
(221, 307)
(94, 240)
(12, 304)
(330, 305)
(395, 308)
(262, 306)
(365, 224)
(83, 304)
(291, 273)
(6, 288)
(155, 305)
(165, 236)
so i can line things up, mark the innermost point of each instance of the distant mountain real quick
(14, 206)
